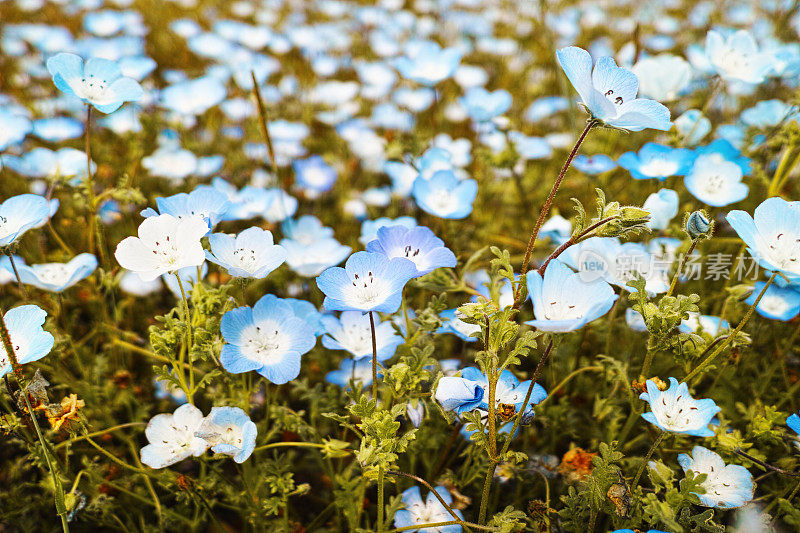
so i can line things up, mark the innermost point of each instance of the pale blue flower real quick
(56, 277)
(609, 92)
(268, 338)
(675, 410)
(57, 129)
(429, 511)
(359, 371)
(662, 77)
(305, 230)
(768, 114)
(736, 57)
(772, 235)
(428, 63)
(459, 394)
(20, 213)
(594, 164)
(692, 126)
(482, 105)
(98, 82)
(312, 258)
(193, 97)
(65, 163)
(204, 202)
(778, 303)
(663, 206)
(723, 150)
(250, 254)
(314, 173)
(229, 431)
(726, 486)
(716, 183)
(13, 127)
(444, 196)
(563, 301)
(452, 324)
(368, 282)
(28, 339)
(369, 228)
(419, 245)
(657, 161)
(352, 332)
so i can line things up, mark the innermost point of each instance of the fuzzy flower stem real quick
(188, 321)
(708, 360)
(546, 207)
(680, 267)
(429, 487)
(767, 466)
(21, 286)
(419, 527)
(379, 525)
(647, 457)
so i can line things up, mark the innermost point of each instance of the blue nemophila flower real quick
(772, 234)
(20, 213)
(13, 127)
(98, 82)
(229, 431)
(509, 391)
(736, 57)
(419, 245)
(594, 164)
(726, 486)
(311, 259)
(429, 511)
(609, 92)
(55, 277)
(482, 105)
(28, 339)
(530, 147)
(171, 437)
(352, 332)
(204, 202)
(657, 161)
(359, 371)
(564, 301)
(708, 323)
(165, 244)
(692, 126)
(57, 129)
(268, 338)
(193, 97)
(662, 77)
(66, 163)
(793, 421)
(676, 411)
(428, 63)
(314, 173)
(444, 195)
(663, 206)
(369, 228)
(459, 394)
(723, 150)
(768, 114)
(250, 254)
(368, 282)
(308, 312)
(716, 183)
(305, 230)
(452, 324)
(778, 303)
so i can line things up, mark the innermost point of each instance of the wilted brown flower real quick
(640, 384)
(576, 465)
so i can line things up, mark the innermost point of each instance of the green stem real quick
(380, 496)
(374, 357)
(189, 342)
(680, 266)
(21, 286)
(708, 360)
(420, 527)
(647, 459)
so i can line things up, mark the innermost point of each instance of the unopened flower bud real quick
(698, 225)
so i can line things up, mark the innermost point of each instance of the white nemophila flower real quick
(28, 339)
(737, 58)
(675, 410)
(251, 254)
(429, 511)
(20, 213)
(165, 244)
(230, 432)
(717, 183)
(171, 437)
(726, 486)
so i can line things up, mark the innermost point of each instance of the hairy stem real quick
(647, 457)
